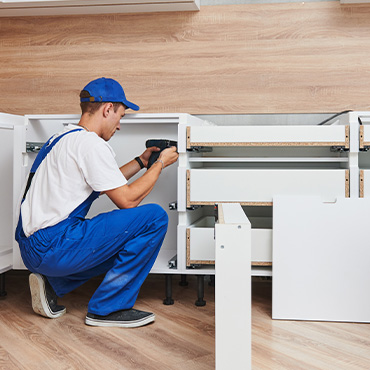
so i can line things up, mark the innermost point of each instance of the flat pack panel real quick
(253, 135)
(233, 292)
(226, 185)
(321, 259)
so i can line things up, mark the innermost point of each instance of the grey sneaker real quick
(44, 299)
(130, 318)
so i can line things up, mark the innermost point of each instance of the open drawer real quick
(200, 242)
(257, 187)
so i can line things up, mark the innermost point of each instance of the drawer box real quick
(258, 187)
(333, 135)
(200, 243)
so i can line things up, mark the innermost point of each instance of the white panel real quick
(6, 197)
(233, 295)
(270, 134)
(19, 165)
(227, 185)
(321, 259)
(11, 127)
(232, 213)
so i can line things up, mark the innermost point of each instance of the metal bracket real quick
(193, 207)
(172, 206)
(338, 149)
(172, 263)
(33, 147)
(200, 149)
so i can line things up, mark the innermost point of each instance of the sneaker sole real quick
(119, 324)
(39, 302)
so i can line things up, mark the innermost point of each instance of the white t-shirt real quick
(80, 163)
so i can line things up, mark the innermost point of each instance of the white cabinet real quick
(253, 166)
(249, 165)
(19, 135)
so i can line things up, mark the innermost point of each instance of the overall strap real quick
(44, 151)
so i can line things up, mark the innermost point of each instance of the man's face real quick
(113, 122)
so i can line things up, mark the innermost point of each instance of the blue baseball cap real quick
(107, 90)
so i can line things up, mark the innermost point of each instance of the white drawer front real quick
(209, 186)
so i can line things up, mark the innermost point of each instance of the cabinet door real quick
(10, 128)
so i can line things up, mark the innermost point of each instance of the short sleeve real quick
(100, 169)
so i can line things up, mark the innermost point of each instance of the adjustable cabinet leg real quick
(183, 281)
(168, 300)
(2, 286)
(211, 280)
(200, 301)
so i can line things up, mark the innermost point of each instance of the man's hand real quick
(148, 152)
(169, 156)
(130, 195)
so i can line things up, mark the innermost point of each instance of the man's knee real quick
(159, 214)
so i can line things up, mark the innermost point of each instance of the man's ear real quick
(106, 109)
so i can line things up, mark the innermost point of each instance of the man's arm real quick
(132, 168)
(129, 196)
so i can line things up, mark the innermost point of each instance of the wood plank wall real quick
(232, 59)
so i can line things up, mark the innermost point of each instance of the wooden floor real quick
(181, 338)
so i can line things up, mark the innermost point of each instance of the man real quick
(60, 247)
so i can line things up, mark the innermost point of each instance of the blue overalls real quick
(123, 244)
